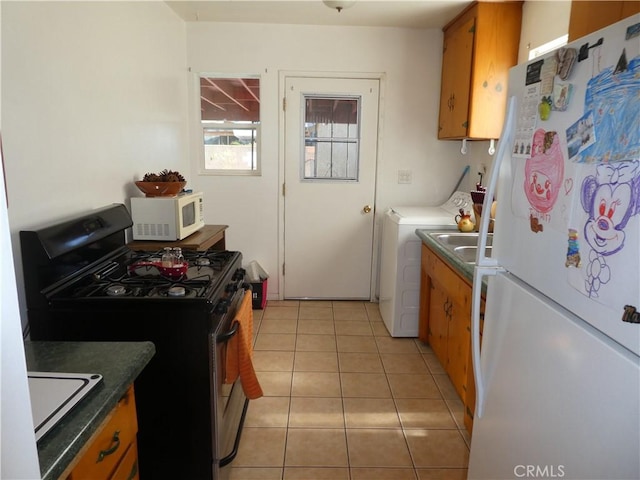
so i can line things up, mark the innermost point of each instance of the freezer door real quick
(562, 400)
(568, 216)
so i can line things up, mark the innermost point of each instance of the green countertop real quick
(463, 268)
(119, 363)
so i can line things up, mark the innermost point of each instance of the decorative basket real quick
(160, 189)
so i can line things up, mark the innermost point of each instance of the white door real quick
(331, 127)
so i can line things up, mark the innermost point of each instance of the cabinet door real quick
(107, 449)
(128, 468)
(588, 16)
(456, 80)
(458, 348)
(439, 308)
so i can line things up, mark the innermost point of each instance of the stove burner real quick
(116, 290)
(203, 261)
(177, 291)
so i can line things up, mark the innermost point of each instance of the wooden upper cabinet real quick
(480, 45)
(587, 17)
(457, 56)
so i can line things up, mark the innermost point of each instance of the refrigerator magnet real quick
(566, 58)
(562, 93)
(573, 250)
(631, 314)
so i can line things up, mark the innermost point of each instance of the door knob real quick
(367, 209)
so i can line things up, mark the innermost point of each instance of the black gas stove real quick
(83, 283)
(142, 275)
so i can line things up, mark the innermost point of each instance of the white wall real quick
(94, 96)
(553, 15)
(410, 60)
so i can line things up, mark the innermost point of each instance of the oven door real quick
(229, 399)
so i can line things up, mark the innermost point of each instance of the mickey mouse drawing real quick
(610, 198)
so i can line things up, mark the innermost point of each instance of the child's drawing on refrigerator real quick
(543, 176)
(612, 99)
(610, 198)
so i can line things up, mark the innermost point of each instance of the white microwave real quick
(167, 218)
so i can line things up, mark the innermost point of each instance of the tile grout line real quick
(371, 321)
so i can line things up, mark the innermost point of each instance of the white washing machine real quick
(400, 259)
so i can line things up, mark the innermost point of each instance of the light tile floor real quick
(343, 400)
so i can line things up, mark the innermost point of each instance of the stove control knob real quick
(222, 306)
(231, 287)
(239, 274)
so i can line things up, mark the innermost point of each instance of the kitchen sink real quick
(54, 394)
(462, 245)
(460, 239)
(468, 253)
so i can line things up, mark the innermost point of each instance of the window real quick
(230, 116)
(331, 138)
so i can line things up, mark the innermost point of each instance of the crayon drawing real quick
(544, 171)
(610, 199)
(613, 100)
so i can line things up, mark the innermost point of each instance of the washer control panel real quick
(459, 200)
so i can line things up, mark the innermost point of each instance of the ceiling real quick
(373, 13)
(239, 99)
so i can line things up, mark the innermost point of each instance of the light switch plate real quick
(405, 176)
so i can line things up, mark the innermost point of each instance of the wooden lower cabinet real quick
(445, 322)
(112, 454)
(128, 467)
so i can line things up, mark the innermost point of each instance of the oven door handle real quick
(236, 444)
(225, 337)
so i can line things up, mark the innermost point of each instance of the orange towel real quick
(240, 352)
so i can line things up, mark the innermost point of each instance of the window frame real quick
(229, 125)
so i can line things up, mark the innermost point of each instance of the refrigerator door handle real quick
(478, 274)
(486, 266)
(504, 147)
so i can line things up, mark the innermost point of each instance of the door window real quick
(331, 138)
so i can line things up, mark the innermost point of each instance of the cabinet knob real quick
(366, 209)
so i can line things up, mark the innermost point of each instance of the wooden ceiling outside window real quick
(230, 99)
(331, 110)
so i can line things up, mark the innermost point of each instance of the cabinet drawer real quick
(128, 468)
(109, 446)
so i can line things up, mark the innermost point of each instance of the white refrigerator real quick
(558, 370)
